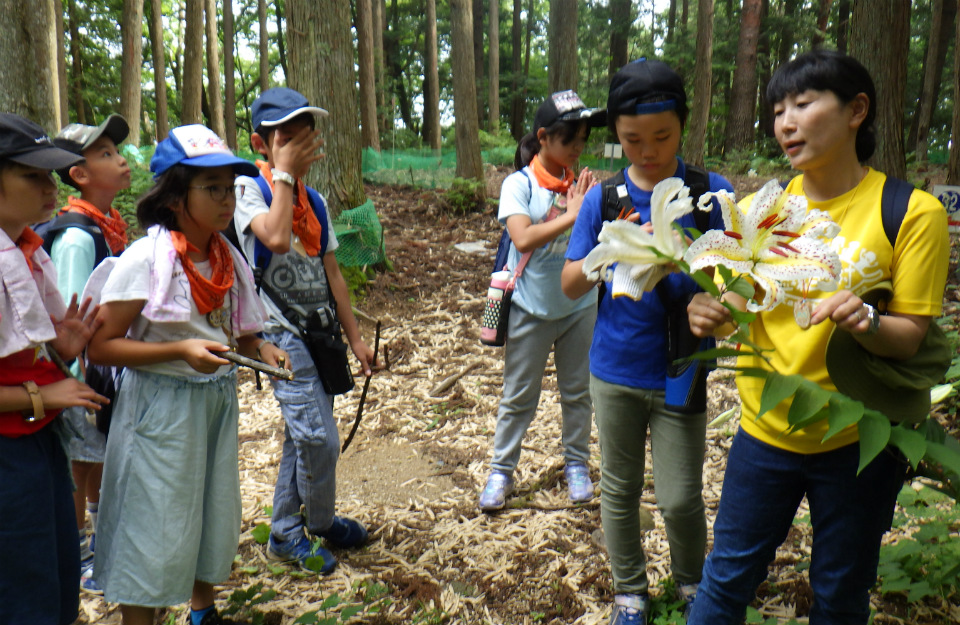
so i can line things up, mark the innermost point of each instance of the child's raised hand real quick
(577, 191)
(71, 392)
(297, 155)
(201, 354)
(75, 329)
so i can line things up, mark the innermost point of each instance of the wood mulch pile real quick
(413, 473)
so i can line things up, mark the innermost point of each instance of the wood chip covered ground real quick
(414, 470)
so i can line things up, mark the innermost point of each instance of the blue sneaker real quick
(495, 493)
(87, 583)
(578, 482)
(345, 533)
(688, 594)
(629, 610)
(301, 552)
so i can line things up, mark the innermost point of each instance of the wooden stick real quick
(256, 365)
(447, 383)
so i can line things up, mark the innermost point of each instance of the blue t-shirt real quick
(629, 339)
(538, 290)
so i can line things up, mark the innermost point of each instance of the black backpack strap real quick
(616, 198)
(61, 222)
(894, 202)
(698, 181)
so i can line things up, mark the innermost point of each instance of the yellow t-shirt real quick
(917, 267)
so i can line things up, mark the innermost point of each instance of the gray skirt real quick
(170, 500)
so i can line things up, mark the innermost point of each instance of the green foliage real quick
(243, 603)
(465, 195)
(261, 533)
(927, 564)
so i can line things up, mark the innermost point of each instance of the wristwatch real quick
(873, 315)
(282, 176)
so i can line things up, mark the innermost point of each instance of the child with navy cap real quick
(40, 575)
(630, 384)
(286, 233)
(170, 502)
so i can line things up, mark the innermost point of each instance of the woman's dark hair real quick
(828, 70)
(153, 207)
(529, 145)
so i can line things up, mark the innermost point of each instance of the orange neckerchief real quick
(113, 226)
(305, 223)
(547, 180)
(29, 242)
(207, 294)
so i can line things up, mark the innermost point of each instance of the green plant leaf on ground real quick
(261, 533)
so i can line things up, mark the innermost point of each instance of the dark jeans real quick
(762, 489)
(40, 573)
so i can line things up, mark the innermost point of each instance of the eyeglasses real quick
(218, 192)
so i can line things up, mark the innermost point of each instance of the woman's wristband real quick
(36, 399)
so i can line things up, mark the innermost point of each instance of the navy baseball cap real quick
(280, 104)
(648, 80)
(24, 142)
(568, 107)
(197, 146)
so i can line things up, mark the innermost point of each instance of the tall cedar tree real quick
(213, 69)
(941, 29)
(562, 73)
(469, 163)
(883, 51)
(478, 13)
(369, 134)
(161, 117)
(516, 66)
(620, 20)
(62, 84)
(264, 45)
(29, 69)
(76, 63)
(192, 64)
(131, 33)
(953, 165)
(321, 68)
(493, 108)
(229, 81)
(431, 82)
(694, 145)
(743, 98)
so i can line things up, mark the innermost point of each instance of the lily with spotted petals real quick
(642, 257)
(777, 242)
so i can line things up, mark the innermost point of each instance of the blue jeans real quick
(530, 341)
(762, 488)
(311, 447)
(40, 574)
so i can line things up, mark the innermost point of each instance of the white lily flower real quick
(778, 242)
(641, 257)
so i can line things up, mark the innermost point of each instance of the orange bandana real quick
(207, 294)
(113, 226)
(29, 242)
(547, 180)
(305, 223)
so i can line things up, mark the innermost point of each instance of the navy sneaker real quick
(578, 482)
(301, 552)
(629, 610)
(345, 533)
(87, 583)
(495, 493)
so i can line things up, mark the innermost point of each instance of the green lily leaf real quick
(912, 444)
(706, 283)
(938, 452)
(843, 413)
(808, 405)
(777, 388)
(874, 436)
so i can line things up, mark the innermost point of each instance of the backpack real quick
(261, 253)
(503, 246)
(49, 231)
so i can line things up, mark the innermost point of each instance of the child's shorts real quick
(40, 573)
(170, 499)
(87, 443)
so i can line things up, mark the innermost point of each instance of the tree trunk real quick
(822, 18)
(683, 30)
(369, 134)
(884, 53)
(469, 163)
(562, 72)
(693, 147)
(516, 66)
(740, 133)
(161, 120)
(843, 25)
(385, 121)
(790, 17)
(62, 85)
(671, 22)
(321, 68)
(494, 86)
(229, 81)
(192, 90)
(213, 70)
(76, 65)
(264, 46)
(620, 20)
(953, 164)
(28, 73)
(764, 112)
(478, 13)
(131, 33)
(941, 27)
(281, 47)
(431, 83)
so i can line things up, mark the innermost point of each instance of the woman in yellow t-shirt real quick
(823, 105)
